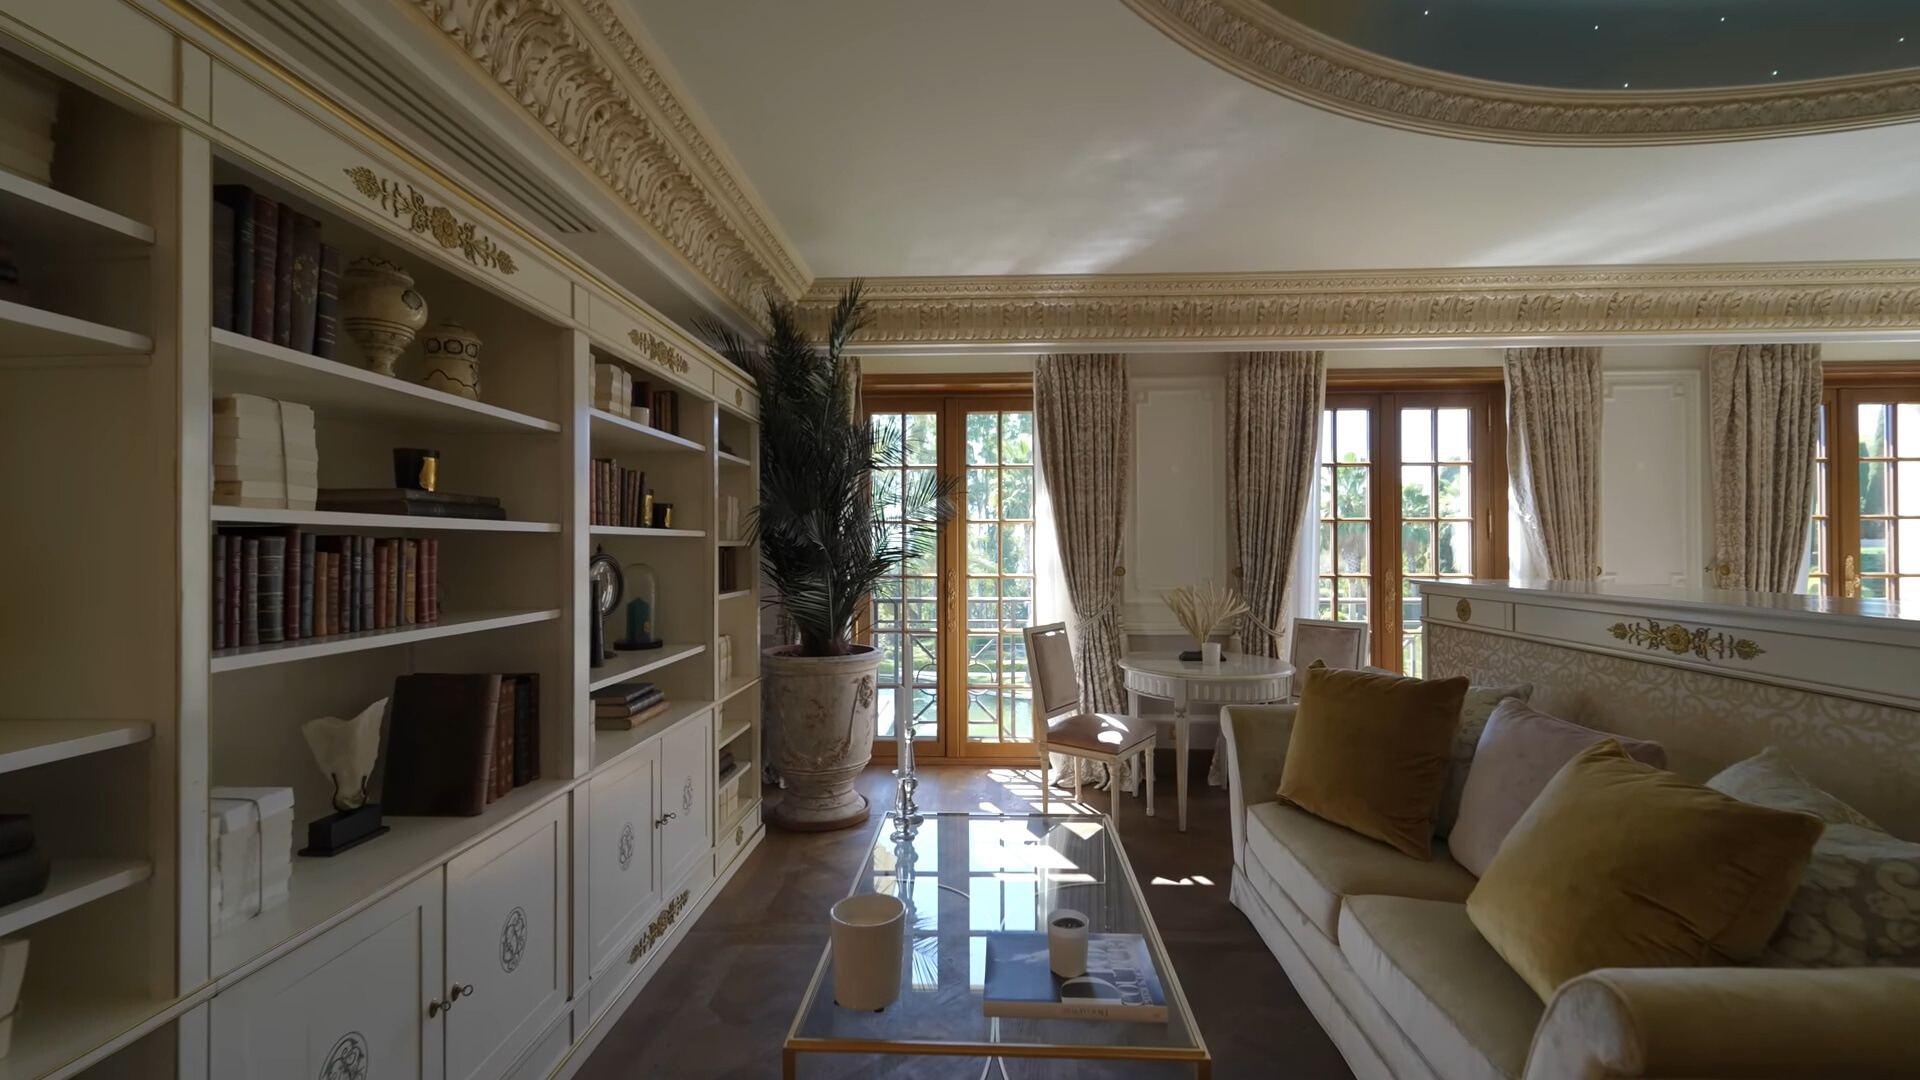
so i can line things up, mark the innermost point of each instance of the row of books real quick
(729, 569)
(273, 279)
(458, 742)
(274, 585)
(619, 496)
(627, 705)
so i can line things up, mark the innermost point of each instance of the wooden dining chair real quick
(1060, 727)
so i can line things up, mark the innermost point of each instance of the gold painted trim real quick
(658, 351)
(658, 928)
(1252, 40)
(1501, 305)
(427, 218)
(1463, 611)
(1703, 643)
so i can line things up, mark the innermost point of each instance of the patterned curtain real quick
(1081, 422)
(1765, 405)
(1553, 457)
(1273, 430)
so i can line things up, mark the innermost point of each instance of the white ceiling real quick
(908, 137)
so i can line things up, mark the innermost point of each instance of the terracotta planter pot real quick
(821, 736)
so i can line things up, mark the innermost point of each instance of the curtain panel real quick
(1764, 402)
(1553, 457)
(1274, 401)
(1081, 422)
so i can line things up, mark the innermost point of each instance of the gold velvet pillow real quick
(1620, 864)
(1370, 752)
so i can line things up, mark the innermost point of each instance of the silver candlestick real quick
(906, 814)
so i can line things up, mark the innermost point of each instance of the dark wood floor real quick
(722, 1003)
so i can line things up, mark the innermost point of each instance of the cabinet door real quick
(506, 938)
(352, 1003)
(686, 793)
(623, 882)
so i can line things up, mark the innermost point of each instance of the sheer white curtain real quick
(1050, 603)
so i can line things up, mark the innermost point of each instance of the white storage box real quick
(250, 846)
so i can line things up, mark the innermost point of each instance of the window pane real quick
(1455, 552)
(1326, 435)
(1323, 599)
(983, 549)
(1416, 491)
(1908, 548)
(1352, 438)
(1874, 422)
(983, 494)
(1908, 500)
(886, 435)
(1455, 434)
(983, 438)
(1353, 547)
(1016, 586)
(923, 614)
(1873, 547)
(923, 443)
(1326, 547)
(1016, 712)
(886, 494)
(1016, 493)
(1873, 588)
(983, 615)
(1910, 588)
(1456, 492)
(982, 586)
(1352, 482)
(1016, 613)
(920, 586)
(1416, 435)
(1907, 437)
(1416, 548)
(1016, 549)
(1016, 438)
(983, 659)
(1326, 491)
(1873, 487)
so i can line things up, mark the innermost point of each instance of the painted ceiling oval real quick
(1592, 72)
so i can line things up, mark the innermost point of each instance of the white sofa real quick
(1380, 948)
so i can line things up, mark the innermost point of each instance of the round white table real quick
(1235, 680)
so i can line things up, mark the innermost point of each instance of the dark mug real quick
(416, 469)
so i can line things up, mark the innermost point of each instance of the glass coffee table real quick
(964, 876)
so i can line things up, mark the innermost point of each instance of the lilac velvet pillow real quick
(1519, 752)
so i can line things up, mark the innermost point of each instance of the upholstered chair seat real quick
(1099, 732)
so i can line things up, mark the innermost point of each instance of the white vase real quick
(820, 730)
(380, 311)
(453, 360)
(869, 948)
(1210, 653)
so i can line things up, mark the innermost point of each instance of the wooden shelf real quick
(733, 459)
(249, 656)
(629, 665)
(728, 777)
(331, 519)
(625, 434)
(737, 684)
(74, 881)
(735, 543)
(732, 733)
(36, 217)
(736, 594)
(610, 746)
(323, 891)
(245, 365)
(26, 743)
(28, 333)
(665, 534)
(748, 806)
(57, 1034)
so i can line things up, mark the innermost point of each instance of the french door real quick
(1865, 539)
(948, 626)
(1412, 486)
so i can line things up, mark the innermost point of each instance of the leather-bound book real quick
(250, 591)
(283, 278)
(503, 739)
(326, 307)
(440, 742)
(236, 586)
(222, 266)
(266, 251)
(240, 199)
(307, 550)
(305, 278)
(290, 613)
(272, 587)
(526, 737)
(220, 590)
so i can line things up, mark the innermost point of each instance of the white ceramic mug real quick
(1067, 943)
(1210, 652)
(869, 946)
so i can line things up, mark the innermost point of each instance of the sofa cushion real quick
(1318, 864)
(1471, 1017)
(1475, 710)
(1519, 752)
(1619, 864)
(1370, 752)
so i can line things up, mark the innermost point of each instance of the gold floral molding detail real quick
(1678, 640)
(1252, 40)
(658, 351)
(618, 117)
(429, 218)
(658, 928)
(1398, 306)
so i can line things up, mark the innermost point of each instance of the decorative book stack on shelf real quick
(274, 585)
(624, 706)
(273, 279)
(456, 743)
(611, 390)
(264, 453)
(621, 498)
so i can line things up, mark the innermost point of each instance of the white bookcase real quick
(120, 713)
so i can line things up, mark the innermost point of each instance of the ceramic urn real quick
(453, 360)
(380, 310)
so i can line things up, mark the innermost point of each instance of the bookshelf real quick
(123, 710)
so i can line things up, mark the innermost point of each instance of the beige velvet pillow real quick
(1370, 752)
(1619, 864)
(1521, 749)
(1474, 711)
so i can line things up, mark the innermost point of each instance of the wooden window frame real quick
(1846, 387)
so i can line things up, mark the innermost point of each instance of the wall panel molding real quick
(1177, 510)
(1653, 508)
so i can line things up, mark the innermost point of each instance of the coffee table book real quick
(1119, 984)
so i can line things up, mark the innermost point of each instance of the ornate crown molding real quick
(1400, 306)
(575, 68)
(1252, 40)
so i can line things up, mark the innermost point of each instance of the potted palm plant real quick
(823, 550)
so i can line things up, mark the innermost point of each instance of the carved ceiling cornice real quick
(577, 70)
(1438, 306)
(1252, 40)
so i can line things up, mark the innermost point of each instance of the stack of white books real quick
(264, 453)
(29, 100)
(729, 517)
(612, 389)
(725, 649)
(250, 844)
